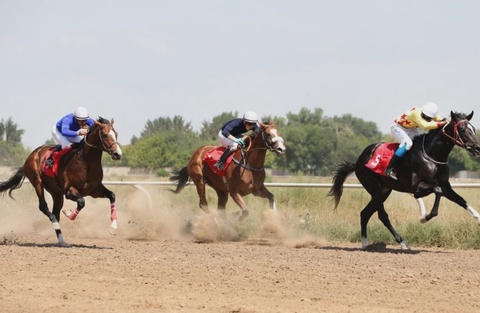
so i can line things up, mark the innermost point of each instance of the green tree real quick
(9, 131)
(162, 124)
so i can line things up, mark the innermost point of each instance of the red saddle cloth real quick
(57, 155)
(212, 157)
(381, 157)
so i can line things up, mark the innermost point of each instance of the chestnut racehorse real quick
(245, 175)
(80, 174)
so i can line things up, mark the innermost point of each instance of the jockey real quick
(70, 129)
(411, 124)
(230, 135)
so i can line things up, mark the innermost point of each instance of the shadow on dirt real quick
(379, 247)
(56, 245)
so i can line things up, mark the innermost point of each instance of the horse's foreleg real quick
(74, 195)
(418, 195)
(263, 192)
(451, 195)
(434, 210)
(103, 192)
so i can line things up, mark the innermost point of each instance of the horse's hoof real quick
(423, 220)
(70, 215)
(243, 216)
(63, 244)
(404, 245)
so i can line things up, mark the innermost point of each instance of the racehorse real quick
(422, 171)
(245, 175)
(79, 174)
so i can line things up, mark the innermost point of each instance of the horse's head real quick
(271, 138)
(463, 133)
(103, 136)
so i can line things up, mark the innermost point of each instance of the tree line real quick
(315, 143)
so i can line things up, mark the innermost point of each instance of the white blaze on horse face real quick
(279, 143)
(112, 135)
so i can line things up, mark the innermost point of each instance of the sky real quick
(139, 60)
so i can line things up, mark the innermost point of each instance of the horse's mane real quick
(103, 120)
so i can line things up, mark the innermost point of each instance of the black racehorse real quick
(422, 171)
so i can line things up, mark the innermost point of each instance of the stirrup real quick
(220, 165)
(391, 174)
(49, 162)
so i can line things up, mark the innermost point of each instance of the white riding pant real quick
(403, 135)
(224, 141)
(62, 140)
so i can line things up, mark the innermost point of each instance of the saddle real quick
(52, 171)
(381, 156)
(212, 157)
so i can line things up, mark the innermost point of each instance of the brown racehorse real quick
(80, 174)
(245, 175)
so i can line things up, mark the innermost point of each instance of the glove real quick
(240, 141)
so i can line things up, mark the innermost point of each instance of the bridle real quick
(104, 147)
(269, 145)
(456, 138)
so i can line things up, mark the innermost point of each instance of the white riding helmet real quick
(250, 117)
(430, 109)
(81, 113)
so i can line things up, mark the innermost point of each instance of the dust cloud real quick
(150, 218)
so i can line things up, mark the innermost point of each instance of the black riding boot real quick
(49, 161)
(221, 162)
(389, 170)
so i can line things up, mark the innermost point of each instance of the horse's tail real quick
(13, 183)
(181, 178)
(340, 175)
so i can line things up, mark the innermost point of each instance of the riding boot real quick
(220, 164)
(389, 170)
(50, 160)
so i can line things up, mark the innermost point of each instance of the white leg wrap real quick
(56, 225)
(473, 212)
(364, 243)
(423, 212)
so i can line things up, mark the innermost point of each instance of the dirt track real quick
(152, 265)
(115, 274)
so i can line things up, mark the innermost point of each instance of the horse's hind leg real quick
(55, 216)
(200, 185)
(222, 202)
(383, 216)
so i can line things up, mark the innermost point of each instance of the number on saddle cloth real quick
(381, 157)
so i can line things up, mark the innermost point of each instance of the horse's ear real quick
(261, 124)
(112, 121)
(453, 115)
(469, 116)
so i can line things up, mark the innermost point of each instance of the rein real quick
(243, 163)
(104, 147)
(455, 138)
